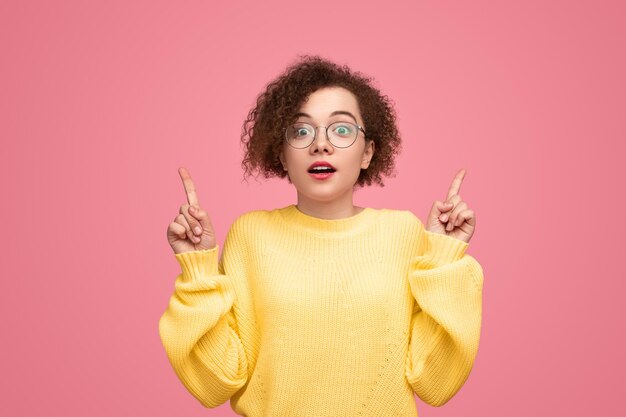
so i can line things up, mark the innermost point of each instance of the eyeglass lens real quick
(340, 134)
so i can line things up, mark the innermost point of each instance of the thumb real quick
(202, 216)
(439, 207)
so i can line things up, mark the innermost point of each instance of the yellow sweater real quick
(302, 316)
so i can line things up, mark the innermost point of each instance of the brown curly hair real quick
(262, 132)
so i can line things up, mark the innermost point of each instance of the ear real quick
(368, 154)
(283, 161)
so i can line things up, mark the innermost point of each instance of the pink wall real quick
(100, 104)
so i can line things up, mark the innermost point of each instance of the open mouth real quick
(321, 170)
(321, 173)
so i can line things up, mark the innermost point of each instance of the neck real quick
(338, 208)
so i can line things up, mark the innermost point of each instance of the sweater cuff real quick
(443, 249)
(198, 263)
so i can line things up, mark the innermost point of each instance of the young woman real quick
(324, 308)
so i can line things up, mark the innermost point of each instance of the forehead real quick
(323, 102)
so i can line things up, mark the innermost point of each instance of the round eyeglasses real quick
(339, 134)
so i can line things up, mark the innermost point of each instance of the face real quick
(347, 162)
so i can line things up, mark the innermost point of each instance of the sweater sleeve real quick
(202, 325)
(447, 286)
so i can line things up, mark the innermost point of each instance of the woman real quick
(323, 308)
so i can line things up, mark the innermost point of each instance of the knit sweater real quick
(302, 316)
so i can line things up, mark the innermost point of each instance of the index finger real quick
(192, 197)
(455, 187)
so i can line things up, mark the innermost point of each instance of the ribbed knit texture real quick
(302, 316)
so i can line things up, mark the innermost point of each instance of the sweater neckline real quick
(296, 218)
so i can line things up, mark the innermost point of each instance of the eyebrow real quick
(347, 113)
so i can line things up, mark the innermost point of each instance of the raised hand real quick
(452, 217)
(191, 229)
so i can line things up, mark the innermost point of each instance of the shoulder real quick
(402, 218)
(252, 217)
(243, 229)
(248, 222)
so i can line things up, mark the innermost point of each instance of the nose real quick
(321, 144)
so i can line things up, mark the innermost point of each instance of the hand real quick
(452, 217)
(181, 233)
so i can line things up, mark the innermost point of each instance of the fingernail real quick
(192, 208)
(196, 239)
(197, 230)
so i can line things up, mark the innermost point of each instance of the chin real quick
(323, 195)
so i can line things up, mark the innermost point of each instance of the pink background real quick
(101, 103)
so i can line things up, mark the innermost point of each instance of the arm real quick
(445, 326)
(200, 327)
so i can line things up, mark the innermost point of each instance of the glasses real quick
(339, 134)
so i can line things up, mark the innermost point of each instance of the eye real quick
(343, 129)
(302, 131)
(299, 130)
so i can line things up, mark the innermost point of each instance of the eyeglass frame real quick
(327, 137)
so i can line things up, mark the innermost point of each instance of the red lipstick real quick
(324, 170)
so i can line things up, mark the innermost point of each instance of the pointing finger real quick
(455, 187)
(190, 190)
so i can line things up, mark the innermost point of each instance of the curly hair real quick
(262, 132)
